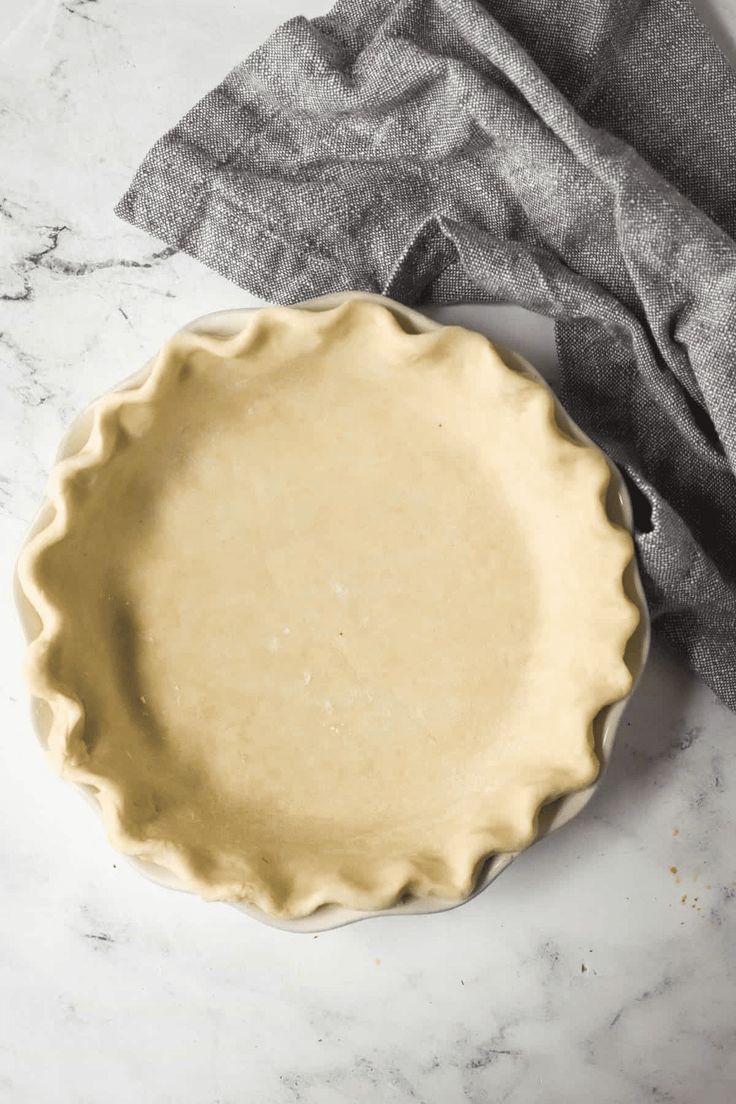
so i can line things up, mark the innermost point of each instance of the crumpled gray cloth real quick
(578, 159)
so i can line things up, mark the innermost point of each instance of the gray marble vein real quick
(600, 967)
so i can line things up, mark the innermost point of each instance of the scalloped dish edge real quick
(60, 716)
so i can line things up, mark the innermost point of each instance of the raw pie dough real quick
(327, 610)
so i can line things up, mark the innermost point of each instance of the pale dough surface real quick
(330, 608)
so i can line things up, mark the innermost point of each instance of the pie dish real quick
(323, 609)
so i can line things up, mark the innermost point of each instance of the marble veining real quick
(598, 967)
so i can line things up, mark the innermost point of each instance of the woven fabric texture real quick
(575, 158)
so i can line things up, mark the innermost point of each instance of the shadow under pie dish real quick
(323, 606)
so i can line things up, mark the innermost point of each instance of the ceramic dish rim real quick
(553, 815)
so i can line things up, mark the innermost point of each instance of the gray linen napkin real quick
(577, 158)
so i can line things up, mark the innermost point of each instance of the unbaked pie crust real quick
(327, 609)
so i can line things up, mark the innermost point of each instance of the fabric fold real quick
(453, 150)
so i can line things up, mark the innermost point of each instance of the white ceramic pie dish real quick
(225, 324)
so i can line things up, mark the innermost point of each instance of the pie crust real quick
(327, 609)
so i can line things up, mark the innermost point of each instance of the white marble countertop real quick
(600, 967)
